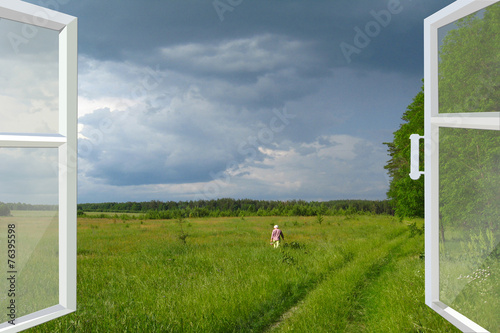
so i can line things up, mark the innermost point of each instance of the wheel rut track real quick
(371, 274)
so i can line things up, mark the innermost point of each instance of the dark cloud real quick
(186, 141)
(121, 29)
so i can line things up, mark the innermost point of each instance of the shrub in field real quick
(293, 245)
(414, 230)
(286, 258)
(182, 235)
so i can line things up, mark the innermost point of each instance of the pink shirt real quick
(275, 236)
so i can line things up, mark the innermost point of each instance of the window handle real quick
(415, 157)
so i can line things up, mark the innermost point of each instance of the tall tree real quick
(407, 195)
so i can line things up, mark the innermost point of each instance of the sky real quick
(261, 99)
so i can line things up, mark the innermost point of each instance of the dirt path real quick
(284, 317)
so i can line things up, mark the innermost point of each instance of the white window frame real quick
(433, 121)
(65, 141)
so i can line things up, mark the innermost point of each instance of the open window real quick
(462, 164)
(38, 164)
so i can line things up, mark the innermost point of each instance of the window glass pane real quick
(29, 94)
(29, 240)
(469, 199)
(469, 65)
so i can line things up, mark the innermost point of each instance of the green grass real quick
(355, 274)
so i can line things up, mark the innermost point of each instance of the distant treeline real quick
(25, 206)
(239, 207)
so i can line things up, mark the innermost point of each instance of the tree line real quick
(5, 208)
(240, 207)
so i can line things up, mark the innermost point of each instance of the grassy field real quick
(347, 274)
(33, 261)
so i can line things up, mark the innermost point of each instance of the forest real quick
(227, 207)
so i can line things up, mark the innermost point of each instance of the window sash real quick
(433, 121)
(66, 141)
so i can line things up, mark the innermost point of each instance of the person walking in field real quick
(276, 235)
